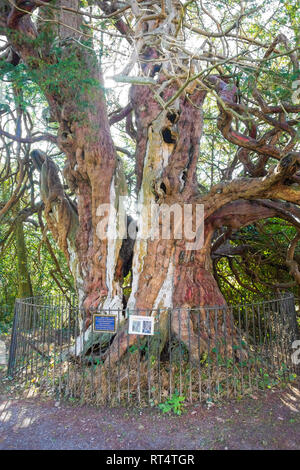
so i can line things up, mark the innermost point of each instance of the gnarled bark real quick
(166, 107)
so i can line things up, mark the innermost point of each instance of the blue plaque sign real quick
(104, 323)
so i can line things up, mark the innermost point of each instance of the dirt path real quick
(270, 420)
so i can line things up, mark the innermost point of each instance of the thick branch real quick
(253, 188)
(241, 213)
(29, 140)
(60, 214)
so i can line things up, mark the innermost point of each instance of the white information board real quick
(140, 325)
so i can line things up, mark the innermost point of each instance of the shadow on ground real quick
(269, 420)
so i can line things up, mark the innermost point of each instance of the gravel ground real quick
(269, 420)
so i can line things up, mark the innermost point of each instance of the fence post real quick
(13, 343)
(293, 319)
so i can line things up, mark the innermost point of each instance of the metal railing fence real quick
(199, 353)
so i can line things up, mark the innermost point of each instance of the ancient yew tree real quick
(182, 63)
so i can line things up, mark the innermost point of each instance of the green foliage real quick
(40, 267)
(262, 266)
(175, 404)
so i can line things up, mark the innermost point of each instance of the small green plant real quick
(174, 404)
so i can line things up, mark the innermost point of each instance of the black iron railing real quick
(199, 353)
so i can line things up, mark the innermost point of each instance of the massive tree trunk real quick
(167, 272)
(92, 169)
